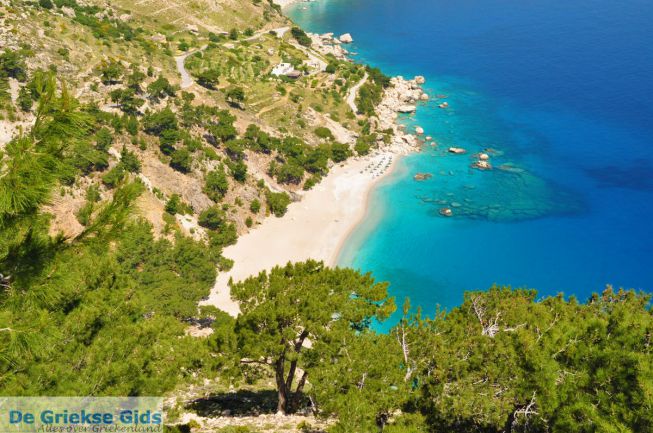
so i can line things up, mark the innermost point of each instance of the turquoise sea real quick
(561, 93)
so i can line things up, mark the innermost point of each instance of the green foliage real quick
(324, 133)
(131, 125)
(208, 78)
(255, 206)
(369, 96)
(25, 100)
(98, 314)
(340, 152)
(130, 161)
(238, 170)
(299, 302)
(135, 79)
(331, 68)
(175, 205)
(12, 64)
(181, 160)
(111, 71)
(26, 177)
(224, 130)
(103, 139)
(364, 143)
(578, 366)
(235, 96)
(233, 34)
(158, 122)
(216, 184)
(212, 218)
(127, 100)
(277, 202)
(300, 36)
(114, 176)
(290, 172)
(85, 212)
(160, 88)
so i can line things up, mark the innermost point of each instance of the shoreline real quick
(309, 229)
(318, 225)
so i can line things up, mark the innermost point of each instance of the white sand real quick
(315, 227)
(284, 3)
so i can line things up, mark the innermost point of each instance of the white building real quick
(282, 69)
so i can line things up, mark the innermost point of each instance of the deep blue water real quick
(562, 92)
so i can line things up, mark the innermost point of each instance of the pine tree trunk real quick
(282, 390)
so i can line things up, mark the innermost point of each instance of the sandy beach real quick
(314, 228)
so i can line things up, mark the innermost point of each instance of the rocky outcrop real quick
(346, 38)
(400, 97)
(326, 44)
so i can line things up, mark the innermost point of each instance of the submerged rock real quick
(482, 165)
(445, 211)
(422, 176)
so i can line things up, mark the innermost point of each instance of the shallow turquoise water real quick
(562, 94)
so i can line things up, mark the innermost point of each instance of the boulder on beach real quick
(419, 79)
(346, 38)
(419, 130)
(457, 150)
(407, 109)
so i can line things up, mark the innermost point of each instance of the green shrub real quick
(114, 176)
(181, 160)
(277, 202)
(12, 64)
(323, 133)
(130, 161)
(160, 88)
(255, 206)
(212, 218)
(340, 152)
(173, 204)
(300, 36)
(216, 184)
(208, 78)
